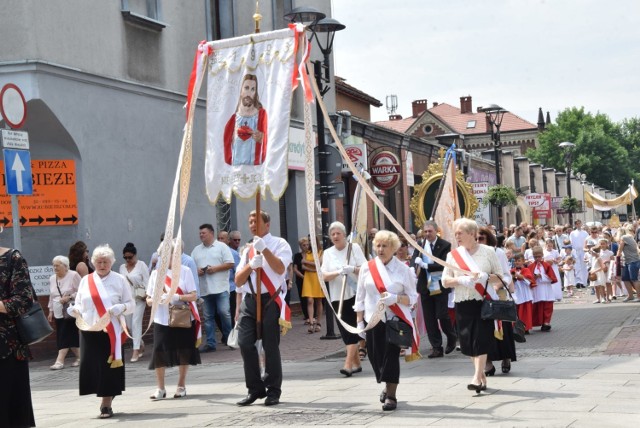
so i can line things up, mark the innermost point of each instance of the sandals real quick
(160, 394)
(181, 391)
(312, 326)
(390, 404)
(362, 352)
(57, 366)
(105, 412)
(318, 327)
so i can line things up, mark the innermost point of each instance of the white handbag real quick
(232, 340)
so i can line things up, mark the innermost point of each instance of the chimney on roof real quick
(435, 104)
(540, 120)
(548, 118)
(418, 107)
(395, 117)
(465, 105)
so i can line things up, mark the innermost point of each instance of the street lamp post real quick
(583, 180)
(319, 25)
(495, 114)
(568, 159)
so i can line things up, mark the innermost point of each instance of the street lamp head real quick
(304, 15)
(566, 145)
(327, 26)
(494, 113)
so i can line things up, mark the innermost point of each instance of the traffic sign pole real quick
(17, 239)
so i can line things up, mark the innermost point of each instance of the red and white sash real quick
(466, 262)
(192, 306)
(285, 311)
(380, 278)
(102, 301)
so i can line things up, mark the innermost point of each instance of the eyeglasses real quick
(128, 257)
(236, 240)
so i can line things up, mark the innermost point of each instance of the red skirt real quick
(525, 314)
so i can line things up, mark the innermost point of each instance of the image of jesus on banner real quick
(245, 134)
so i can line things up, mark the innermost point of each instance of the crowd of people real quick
(388, 285)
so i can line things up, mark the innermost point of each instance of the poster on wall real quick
(482, 214)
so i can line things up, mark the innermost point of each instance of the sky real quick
(519, 54)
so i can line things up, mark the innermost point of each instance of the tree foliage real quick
(606, 152)
(500, 196)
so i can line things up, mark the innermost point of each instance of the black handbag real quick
(33, 326)
(518, 331)
(502, 310)
(399, 333)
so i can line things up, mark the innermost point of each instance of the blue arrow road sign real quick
(17, 170)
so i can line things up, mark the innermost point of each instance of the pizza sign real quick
(385, 170)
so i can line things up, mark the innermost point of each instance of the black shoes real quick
(251, 398)
(451, 346)
(271, 400)
(346, 372)
(492, 371)
(506, 366)
(383, 396)
(545, 327)
(476, 388)
(436, 353)
(390, 404)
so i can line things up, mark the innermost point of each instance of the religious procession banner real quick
(250, 83)
(448, 209)
(597, 202)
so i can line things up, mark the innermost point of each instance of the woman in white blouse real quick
(174, 346)
(63, 286)
(105, 295)
(475, 334)
(136, 273)
(341, 263)
(399, 281)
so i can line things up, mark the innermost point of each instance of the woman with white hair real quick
(63, 286)
(386, 280)
(105, 295)
(341, 265)
(474, 333)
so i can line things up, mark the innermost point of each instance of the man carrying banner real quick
(245, 135)
(433, 296)
(270, 255)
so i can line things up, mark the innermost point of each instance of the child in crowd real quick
(597, 277)
(552, 256)
(568, 267)
(528, 253)
(524, 282)
(543, 296)
(608, 259)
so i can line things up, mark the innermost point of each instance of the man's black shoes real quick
(251, 398)
(271, 401)
(436, 353)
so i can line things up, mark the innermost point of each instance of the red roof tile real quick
(400, 125)
(451, 116)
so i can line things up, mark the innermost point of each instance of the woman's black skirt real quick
(67, 334)
(348, 316)
(475, 335)
(16, 409)
(384, 356)
(96, 375)
(174, 346)
(505, 348)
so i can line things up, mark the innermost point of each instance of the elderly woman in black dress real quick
(102, 295)
(63, 286)
(341, 265)
(387, 280)
(475, 334)
(16, 297)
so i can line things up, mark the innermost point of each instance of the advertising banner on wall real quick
(543, 210)
(483, 213)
